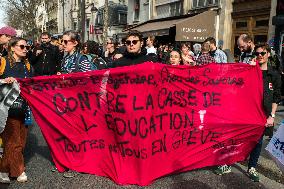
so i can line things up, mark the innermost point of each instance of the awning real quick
(196, 28)
(156, 28)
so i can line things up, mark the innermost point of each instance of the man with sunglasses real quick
(246, 47)
(6, 33)
(271, 98)
(134, 53)
(46, 59)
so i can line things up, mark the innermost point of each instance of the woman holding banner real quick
(74, 61)
(14, 65)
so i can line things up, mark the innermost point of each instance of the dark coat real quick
(48, 62)
(271, 88)
(132, 59)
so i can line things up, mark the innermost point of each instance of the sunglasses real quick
(260, 53)
(66, 41)
(108, 43)
(23, 47)
(134, 42)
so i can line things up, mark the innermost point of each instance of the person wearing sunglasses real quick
(46, 58)
(112, 49)
(271, 98)
(246, 46)
(74, 61)
(6, 33)
(134, 54)
(15, 65)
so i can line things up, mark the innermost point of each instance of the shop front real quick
(193, 27)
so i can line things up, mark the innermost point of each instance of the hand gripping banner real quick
(135, 124)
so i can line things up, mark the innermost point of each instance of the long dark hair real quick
(12, 43)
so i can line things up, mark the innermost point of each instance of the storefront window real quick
(241, 24)
(261, 23)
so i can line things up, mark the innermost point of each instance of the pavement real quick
(266, 165)
(39, 164)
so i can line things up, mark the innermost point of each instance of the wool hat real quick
(7, 30)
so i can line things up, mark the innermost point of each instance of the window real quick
(261, 23)
(136, 10)
(204, 3)
(168, 10)
(241, 24)
(75, 25)
(175, 9)
(100, 19)
(88, 23)
(122, 18)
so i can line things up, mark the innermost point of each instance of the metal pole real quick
(105, 29)
(62, 2)
(83, 20)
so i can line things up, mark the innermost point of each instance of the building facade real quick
(278, 22)
(70, 16)
(51, 10)
(117, 21)
(144, 14)
(251, 17)
(65, 15)
(41, 16)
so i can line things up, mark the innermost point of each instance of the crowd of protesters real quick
(67, 55)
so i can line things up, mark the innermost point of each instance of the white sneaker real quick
(22, 178)
(4, 178)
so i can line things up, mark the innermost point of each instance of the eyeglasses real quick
(66, 41)
(260, 53)
(134, 42)
(108, 43)
(23, 47)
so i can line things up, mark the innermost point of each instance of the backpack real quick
(97, 61)
(93, 65)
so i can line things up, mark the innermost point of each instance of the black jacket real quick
(48, 62)
(132, 59)
(271, 88)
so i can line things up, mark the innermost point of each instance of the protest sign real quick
(135, 124)
(276, 147)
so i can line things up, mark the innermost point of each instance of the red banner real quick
(135, 124)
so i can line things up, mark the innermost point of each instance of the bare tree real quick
(21, 15)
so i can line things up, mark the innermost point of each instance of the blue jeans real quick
(255, 153)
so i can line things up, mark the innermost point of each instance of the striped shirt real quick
(75, 63)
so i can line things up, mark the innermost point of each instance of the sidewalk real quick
(266, 165)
